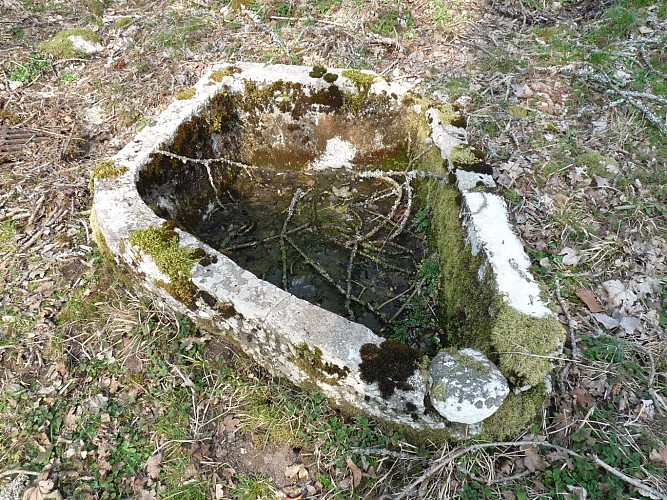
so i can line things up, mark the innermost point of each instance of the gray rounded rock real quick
(465, 386)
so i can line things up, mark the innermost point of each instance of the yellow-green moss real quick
(524, 344)
(464, 301)
(448, 114)
(516, 413)
(186, 94)
(595, 163)
(517, 111)
(217, 76)
(363, 82)
(98, 237)
(61, 46)
(462, 155)
(122, 22)
(310, 361)
(105, 170)
(172, 259)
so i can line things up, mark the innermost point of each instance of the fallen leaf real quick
(607, 321)
(578, 492)
(533, 461)
(618, 294)
(582, 397)
(659, 455)
(296, 472)
(588, 298)
(356, 472)
(522, 91)
(570, 256)
(629, 324)
(230, 423)
(153, 465)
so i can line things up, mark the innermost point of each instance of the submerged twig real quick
(298, 194)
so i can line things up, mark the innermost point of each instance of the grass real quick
(28, 70)
(113, 379)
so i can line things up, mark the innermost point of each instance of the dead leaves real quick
(588, 298)
(356, 472)
(153, 465)
(42, 488)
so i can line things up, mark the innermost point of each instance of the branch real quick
(445, 460)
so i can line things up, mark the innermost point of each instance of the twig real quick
(570, 323)
(15, 472)
(500, 480)
(445, 460)
(298, 194)
(386, 453)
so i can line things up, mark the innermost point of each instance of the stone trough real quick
(247, 122)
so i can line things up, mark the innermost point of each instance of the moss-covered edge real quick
(106, 169)
(172, 259)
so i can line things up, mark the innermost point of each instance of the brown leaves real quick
(43, 489)
(588, 298)
(582, 398)
(153, 465)
(533, 460)
(296, 472)
(356, 472)
(659, 455)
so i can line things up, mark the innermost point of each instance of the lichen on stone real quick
(186, 94)
(62, 46)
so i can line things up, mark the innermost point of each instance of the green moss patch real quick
(317, 72)
(105, 170)
(515, 414)
(595, 163)
(217, 76)
(524, 344)
(61, 45)
(363, 82)
(462, 155)
(172, 259)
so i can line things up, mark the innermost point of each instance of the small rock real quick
(465, 386)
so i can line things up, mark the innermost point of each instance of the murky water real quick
(350, 244)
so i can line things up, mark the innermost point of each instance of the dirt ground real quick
(569, 101)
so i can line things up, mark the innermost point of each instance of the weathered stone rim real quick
(253, 313)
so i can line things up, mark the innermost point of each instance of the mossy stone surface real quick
(525, 344)
(172, 259)
(62, 47)
(186, 94)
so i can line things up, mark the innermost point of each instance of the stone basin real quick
(245, 122)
